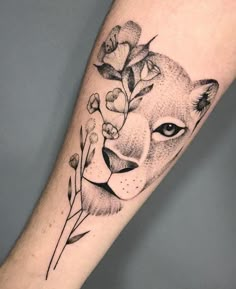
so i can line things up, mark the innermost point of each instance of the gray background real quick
(185, 235)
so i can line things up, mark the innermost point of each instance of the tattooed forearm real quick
(146, 119)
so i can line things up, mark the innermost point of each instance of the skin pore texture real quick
(144, 96)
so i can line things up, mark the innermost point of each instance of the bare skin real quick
(143, 99)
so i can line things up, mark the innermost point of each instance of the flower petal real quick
(110, 43)
(93, 103)
(150, 70)
(130, 33)
(115, 100)
(118, 57)
(101, 53)
(112, 38)
(108, 72)
(109, 131)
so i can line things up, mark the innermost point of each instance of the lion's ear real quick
(203, 95)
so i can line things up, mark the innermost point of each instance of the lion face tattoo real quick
(156, 109)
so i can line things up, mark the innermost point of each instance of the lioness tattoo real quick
(146, 119)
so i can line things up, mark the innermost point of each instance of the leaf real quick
(139, 53)
(108, 72)
(69, 194)
(131, 80)
(89, 158)
(81, 139)
(144, 71)
(76, 238)
(135, 103)
(145, 90)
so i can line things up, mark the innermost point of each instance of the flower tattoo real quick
(109, 131)
(74, 161)
(115, 100)
(94, 103)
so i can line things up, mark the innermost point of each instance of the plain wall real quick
(184, 237)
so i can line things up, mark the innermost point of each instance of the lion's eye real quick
(169, 129)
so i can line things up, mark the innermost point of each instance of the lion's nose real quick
(117, 164)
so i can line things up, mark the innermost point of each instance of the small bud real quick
(74, 161)
(93, 103)
(93, 138)
(90, 125)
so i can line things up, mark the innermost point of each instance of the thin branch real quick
(57, 244)
(73, 229)
(59, 239)
(103, 119)
(80, 223)
(59, 256)
(74, 214)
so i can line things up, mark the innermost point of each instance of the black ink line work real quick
(146, 120)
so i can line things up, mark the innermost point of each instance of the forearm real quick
(126, 131)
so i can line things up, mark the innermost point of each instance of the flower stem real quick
(59, 256)
(103, 119)
(74, 214)
(75, 182)
(77, 225)
(59, 239)
(57, 244)
(72, 231)
(126, 106)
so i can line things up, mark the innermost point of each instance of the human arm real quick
(181, 49)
